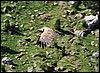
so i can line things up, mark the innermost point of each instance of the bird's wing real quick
(47, 36)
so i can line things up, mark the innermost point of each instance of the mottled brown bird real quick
(46, 36)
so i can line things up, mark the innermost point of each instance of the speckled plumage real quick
(46, 36)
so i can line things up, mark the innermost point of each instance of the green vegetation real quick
(68, 56)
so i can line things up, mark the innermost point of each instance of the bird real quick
(46, 36)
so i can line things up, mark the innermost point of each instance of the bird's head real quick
(43, 29)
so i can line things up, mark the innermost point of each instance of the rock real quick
(95, 54)
(92, 32)
(39, 69)
(31, 21)
(64, 16)
(55, 4)
(49, 64)
(21, 26)
(45, 17)
(20, 55)
(29, 69)
(19, 41)
(22, 50)
(97, 33)
(35, 10)
(62, 3)
(96, 45)
(78, 16)
(71, 2)
(7, 60)
(47, 52)
(79, 33)
(41, 23)
(26, 44)
(40, 13)
(23, 6)
(12, 67)
(31, 28)
(32, 16)
(68, 12)
(92, 21)
(46, 1)
(9, 15)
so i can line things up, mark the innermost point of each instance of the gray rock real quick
(95, 54)
(97, 33)
(79, 33)
(29, 69)
(92, 21)
(7, 60)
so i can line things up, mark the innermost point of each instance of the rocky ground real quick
(20, 21)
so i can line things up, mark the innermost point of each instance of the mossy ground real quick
(50, 59)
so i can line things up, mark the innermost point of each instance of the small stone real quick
(26, 52)
(47, 52)
(7, 60)
(92, 32)
(23, 6)
(69, 12)
(71, 2)
(95, 54)
(24, 63)
(65, 11)
(22, 50)
(12, 67)
(85, 48)
(48, 64)
(79, 33)
(16, 26)
(96, 45)
(21, 25)
(97, 33)
(31, 28)
(78, 16)
(29, 69)
(25, 33)
(19, 45)
(19, 41)
(92, 43)
(56, 68)
(36, 10)
(35, 64)
(26, 44)
(23, 43)
(45, 17)
(61, 67)
(29, 13)
(46, 1)
(5, 10)
(55, 4)
(64, 16)
(29, 33)
(41, 23)
(40, 13)
(31, 21)
(9, 15)
(32, 16)
(20, 55)
(34, 42)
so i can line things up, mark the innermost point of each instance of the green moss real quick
(50, 59)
